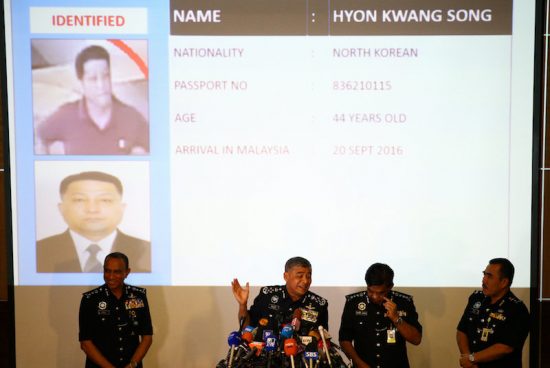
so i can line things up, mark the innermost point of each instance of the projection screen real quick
(342, 131)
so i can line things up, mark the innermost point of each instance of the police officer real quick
(114, 320)
(278, 304)
(495, 323)
(377, 323)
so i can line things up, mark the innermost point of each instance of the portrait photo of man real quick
(86, 96)
(92, 207)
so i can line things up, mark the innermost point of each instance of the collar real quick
(499, 302)
(109, 294)
(286, 296)
(81, 243)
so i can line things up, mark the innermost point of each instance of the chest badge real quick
(274, 299)
(309, 315)
(102, 305)
(362, 306)
(134, 303)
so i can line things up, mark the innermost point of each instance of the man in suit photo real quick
(92, 207)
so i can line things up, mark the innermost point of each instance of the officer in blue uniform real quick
(495, 323)
(278, 304)
(114, 319)
(377, 323)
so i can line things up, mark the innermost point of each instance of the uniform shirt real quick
(274, 303)
(72, 125)
(363, 323)
(114, 325)
(485, 324)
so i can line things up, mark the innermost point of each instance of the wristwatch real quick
(471, 358)
(398, 321)
(133, 364)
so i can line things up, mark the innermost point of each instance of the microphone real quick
(270, 347)
(291, 349)
(312, 353)
(247, 357)
(233, 340)
(253, 348)
(315, 334)
(287, 332)
(325, 347)
(296, 319)
(241, 349)
(261, 329)
(241, 323)
(257, 346)
(250, 329)
(247, 336)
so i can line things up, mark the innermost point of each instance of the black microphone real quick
(242, 349)
(262, 325)
(312, 352)
(252, 351)
(241, 324)
(270, 348)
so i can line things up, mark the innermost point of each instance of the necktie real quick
(93, 264)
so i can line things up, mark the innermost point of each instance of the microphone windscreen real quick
(287, 332)
(234, 338)
(290, 347)
(314, 334)
(247, 336)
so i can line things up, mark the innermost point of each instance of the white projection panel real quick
(347, 132)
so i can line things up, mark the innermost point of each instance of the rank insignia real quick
(309, 315)
(134, 303)
(499, 316)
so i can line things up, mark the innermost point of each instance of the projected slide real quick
(246, 132)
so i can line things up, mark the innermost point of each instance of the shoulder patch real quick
(400, 295)
(92, 292)
(360, 294)
(272, 289)
(514, 299)
(317, 298)
(136, 289)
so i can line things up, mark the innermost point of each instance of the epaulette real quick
(398, 294)
(514, 299)
(317, 298)
(359, 294)
(272, 289)
(136, 289)
(95, 291)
